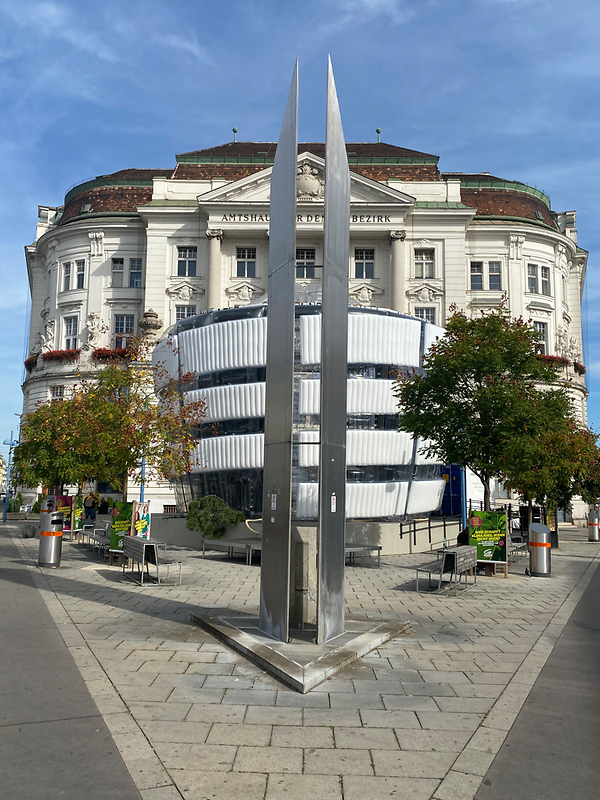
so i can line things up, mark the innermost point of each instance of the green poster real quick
(121, 524)
(487, 531)
(77, 513)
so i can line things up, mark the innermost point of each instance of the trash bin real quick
(593, 532)
(51, 542)
(539, 550)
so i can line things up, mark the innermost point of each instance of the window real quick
(118, 265)
(532, 278)
(135, 273)
(80, 274)
(183, 312)
(186, 261)
(542, 329)
(364, 263)
(66, 276)
(476, 275)
(71, 333)
(57, 392)
(424, 264)
(545, 274)
(123, 328)
(426, 313)
(246, 262)
(305, 262)
(494, 276)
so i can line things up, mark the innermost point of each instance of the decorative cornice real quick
(214, 233)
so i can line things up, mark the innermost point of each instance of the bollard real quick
(539, 550)
(593, 532)
(51, 542)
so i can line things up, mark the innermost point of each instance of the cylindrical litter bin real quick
(51, 542)
(539, 550)
(593, 532)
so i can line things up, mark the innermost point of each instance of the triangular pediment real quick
(255, 189)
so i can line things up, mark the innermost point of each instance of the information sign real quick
(487, 531)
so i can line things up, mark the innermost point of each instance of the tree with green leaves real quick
(479, 403)
(105, 427)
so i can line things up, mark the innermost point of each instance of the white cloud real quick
(186, 45)
(357, 12)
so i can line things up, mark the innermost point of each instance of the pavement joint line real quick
(64, 622)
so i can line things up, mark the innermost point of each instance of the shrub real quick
(30, 363)
(579, 368)
(211, 516)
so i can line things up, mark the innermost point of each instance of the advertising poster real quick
(487, 531)
(141, 519)
(121, 524)
(64, 504)
(77, 513)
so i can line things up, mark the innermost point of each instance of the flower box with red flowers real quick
(557, 361)
(579, 368)
(61, 355)
(110, 354)
(30, 363)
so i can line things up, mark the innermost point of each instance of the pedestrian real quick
(103, 507)
(89, 506)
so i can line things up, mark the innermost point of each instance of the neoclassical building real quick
(140, 250)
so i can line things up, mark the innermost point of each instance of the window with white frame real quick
(80, 265)
(532, 278)
(545, 276)
(542, 329)
(135, 273)
(495, 276)
(364, 263)
(66, 276)
(71, 325)
(424, 264)
(183, 312)
(118, 267)
(486, 275)
(426, 313)
(246, 262)
(123, 329)
(57, 392)
(476, 275)
(305, 262)
(187, 258)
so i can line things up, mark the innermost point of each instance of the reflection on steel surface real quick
(334, 370)
(277, 491)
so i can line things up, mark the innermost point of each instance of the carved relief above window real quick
(309, 183)
(243, 293)
(363, 294)
(185, 292)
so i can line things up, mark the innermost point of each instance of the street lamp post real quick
(11, 442)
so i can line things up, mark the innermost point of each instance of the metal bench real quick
(229, 547)
(353, 549)
(144, 552)
(455, 561)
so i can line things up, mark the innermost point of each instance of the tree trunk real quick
(486, 495)
(125, 488)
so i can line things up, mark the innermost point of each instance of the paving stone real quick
(337, 762)
(191, 694)
(357, 788)
(473, 762)
(394, 702)
(303, 787)
(294, 700)
(272, 715)
(219, 758)
(365, 738)
(441, 676)
(183, 732)
(269, 759)
(212, 712)
(432, 689)
(302, 736)
(435, 741)
(407, 764)
(161, 793)
(148, 773)
(362, 700)
(378, 687)
(487, 740)
(457, 786)
(333, 716)
(254, 697)
(449, 722)
(232, 733)
(209, 669)
(390, 719)
(200, 785)
(475, 705)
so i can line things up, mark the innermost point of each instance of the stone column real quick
(215, 292)
(397, 278)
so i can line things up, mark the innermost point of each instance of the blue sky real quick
(504, 86)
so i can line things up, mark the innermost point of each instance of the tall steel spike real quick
(334, 376)
(277, 491)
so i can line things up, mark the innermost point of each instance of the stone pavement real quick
(422, 717)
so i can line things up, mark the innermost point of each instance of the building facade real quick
(140, 250)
